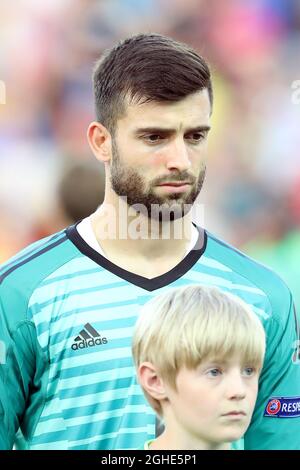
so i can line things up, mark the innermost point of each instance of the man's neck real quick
(138, 243)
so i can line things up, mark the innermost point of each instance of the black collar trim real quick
(148, 284)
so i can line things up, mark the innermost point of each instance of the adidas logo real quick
(87, 338)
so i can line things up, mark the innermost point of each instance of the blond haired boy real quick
(198, 352)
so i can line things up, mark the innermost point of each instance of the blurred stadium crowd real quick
(48, 177)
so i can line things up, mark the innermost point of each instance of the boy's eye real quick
(249, 371)
(214, 372)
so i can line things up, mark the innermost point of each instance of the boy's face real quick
(214, 402)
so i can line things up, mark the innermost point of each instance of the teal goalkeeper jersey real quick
(67, 379)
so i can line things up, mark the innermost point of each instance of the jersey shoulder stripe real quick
(19, 280)
(32, 254)
(31, 250)
(256, 273)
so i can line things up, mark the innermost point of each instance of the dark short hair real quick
(144, 68)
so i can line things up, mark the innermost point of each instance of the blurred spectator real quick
(282, 255)
(81, 190)
(277, 244)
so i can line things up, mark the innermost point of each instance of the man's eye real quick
(197, 136)
(153, 138)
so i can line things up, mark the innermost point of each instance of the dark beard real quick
(126, 182)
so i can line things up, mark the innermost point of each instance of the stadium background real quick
(252, 191)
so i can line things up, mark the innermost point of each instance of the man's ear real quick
(99, 139)
(151, 381)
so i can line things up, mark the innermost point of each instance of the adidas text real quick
(89, 343)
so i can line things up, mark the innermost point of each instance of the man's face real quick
(159, 153)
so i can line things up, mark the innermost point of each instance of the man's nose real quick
(178, 156)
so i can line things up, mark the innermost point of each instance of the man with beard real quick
(69, 302)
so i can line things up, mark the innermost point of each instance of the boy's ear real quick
(150, 381)
(99, 139)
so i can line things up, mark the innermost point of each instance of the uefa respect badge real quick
(283, 407)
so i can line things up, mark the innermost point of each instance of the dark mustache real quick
(175, 179)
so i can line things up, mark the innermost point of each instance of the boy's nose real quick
(236, 389)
